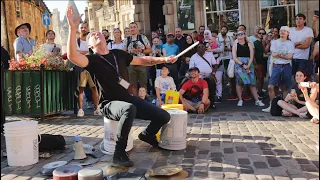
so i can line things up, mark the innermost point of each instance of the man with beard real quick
(85, 77)
(200, 35)
(106, 35)
(23, 44)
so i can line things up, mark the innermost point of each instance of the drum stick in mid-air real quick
(188, 49)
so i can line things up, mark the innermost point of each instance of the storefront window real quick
(222, 13)
(277, 13)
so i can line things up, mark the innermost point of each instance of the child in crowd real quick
(162, 84)
(143, 94)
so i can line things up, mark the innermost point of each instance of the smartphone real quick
(158, 46)
(316, 13)
(305, 84)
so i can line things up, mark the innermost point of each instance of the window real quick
(18, 9)
(222, 13)
(277, 13)
(126, 20)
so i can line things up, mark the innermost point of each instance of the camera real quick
(316, 13)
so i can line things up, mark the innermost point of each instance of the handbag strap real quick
(206, 61)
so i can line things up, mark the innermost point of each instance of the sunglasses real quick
(262, 33)
(240, 34)
(270, 35)
(170, 36)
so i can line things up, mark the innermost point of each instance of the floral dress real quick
(242, 76)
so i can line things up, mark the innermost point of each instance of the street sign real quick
(46, 19)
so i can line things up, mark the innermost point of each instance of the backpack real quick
(276, 110)
(139, 38)
(51, 142)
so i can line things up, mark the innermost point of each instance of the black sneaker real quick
(122, 159)
(218, 100)
(149, 139)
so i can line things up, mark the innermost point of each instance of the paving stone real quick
(246, 169)
(309, 168)
(244, 161)
(241, 149)
(302, 161)
(228, 150)
(274, 162)
(260, 165)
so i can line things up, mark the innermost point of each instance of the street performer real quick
(110, 73)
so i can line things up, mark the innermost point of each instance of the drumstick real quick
(188, 49)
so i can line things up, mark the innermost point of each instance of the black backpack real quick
(276, 110)
(139, 38)
(51, 142)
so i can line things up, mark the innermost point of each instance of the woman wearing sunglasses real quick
(243, 55)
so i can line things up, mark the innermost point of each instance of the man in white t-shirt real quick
(301, 36)
(85, 77)
(282, 52)
(208, 67)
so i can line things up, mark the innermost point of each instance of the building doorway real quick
(156, 14)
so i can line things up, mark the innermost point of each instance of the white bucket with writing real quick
(22, 143)
(110, 137)
(174, 134)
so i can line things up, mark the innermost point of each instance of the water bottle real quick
(88, 149)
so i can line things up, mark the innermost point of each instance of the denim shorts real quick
(281, 74)
(298, 64)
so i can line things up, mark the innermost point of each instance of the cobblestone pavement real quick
(221, 145)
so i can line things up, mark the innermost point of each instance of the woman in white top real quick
(50, 46)
(117, 42)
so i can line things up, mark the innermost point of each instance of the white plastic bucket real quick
(110, 137)
(22, 143)
(174, 134)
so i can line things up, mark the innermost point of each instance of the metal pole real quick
(42, 92)
(3, 117)
(47, 28)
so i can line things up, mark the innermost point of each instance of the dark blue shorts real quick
(281, 74)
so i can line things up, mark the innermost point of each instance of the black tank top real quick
(243, 50)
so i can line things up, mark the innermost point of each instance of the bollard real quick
(3, 117)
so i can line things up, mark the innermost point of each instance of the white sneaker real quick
(97, 113)
(267, 110)
(259, 103)
(80, 113)
(263, 90)
(240, 102)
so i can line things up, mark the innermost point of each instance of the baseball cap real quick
(170, 34)
(286, 28)
(194, 68)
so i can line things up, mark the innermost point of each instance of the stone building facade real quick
(110, 14)
(211, 13)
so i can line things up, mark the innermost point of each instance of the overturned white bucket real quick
(174, 134)
(22, 143)
(110, 137)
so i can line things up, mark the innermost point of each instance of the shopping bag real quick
(172, 97)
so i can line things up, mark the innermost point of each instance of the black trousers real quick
(125, 112)
(212, 89)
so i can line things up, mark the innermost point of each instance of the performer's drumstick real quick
(188, 49)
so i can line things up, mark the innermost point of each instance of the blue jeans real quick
(281, 74)
(299, 64)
